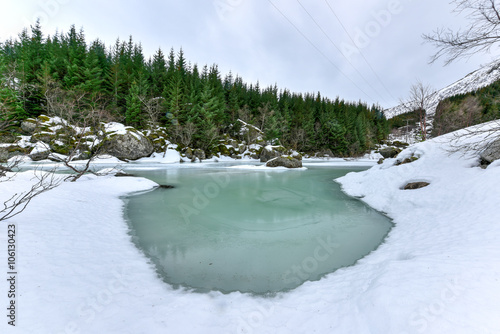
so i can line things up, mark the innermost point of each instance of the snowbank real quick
(437, 272)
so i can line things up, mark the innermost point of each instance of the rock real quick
(43, 137)
(4, 170)
(41, 151)
(128, 146)
(389, 152)
(7, 138)
(287, 162)
(29, 126)
(400, 144)
(270, 152)
(415, 185)
(188, 152)
(165, 186)
(380, 161)
(4, 154)
(491, 153)
(11, 151)
(199, 153)
(406, 161)
(123, 174)
(325, 153)
(41, 155)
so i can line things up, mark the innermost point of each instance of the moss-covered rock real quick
(45, 137)
(400, 144)
(284, 161)
(389, 152)
(8, 138)
(43, 118)
(29, 126)
(271, 152)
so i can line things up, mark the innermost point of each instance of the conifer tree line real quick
(195, 105)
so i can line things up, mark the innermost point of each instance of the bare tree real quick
(153, 108)
(481, 34)
(419, 101)
(81, 130)
(184, 133)
(17, 203)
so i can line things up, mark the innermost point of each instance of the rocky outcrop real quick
(415, 185)
(287, 162)
(128, 146)
(491, 153)
(389, 152)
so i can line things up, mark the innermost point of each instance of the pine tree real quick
(11, 108)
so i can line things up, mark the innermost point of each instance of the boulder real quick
(199, 153)
(270, 152)
(188, 152)
(389, 152)
(287, 162)
(4, 154)
(29, 126)
(492, 152)
(128, 146)
(415, 185)
(11, 151)
(41, 155)
(43, 137)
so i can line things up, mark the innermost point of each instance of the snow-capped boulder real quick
(126, 143)
(389, 152)
(287, 162)
(41, 151)
(492, 152)
(270, 152)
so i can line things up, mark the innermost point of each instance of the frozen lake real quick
(256, 231)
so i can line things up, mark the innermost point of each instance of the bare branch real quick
(481, 34)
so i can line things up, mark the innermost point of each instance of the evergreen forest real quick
(196, 105)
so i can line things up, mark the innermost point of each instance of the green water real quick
(251, 231)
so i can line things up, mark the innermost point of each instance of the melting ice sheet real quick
(251, 231)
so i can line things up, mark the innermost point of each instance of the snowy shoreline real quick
(437, 272)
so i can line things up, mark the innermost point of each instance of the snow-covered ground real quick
(437, 272)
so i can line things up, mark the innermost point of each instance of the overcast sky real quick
(273, 41)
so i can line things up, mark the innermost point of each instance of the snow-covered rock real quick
(492, 152)
(130, 145)
(41, 151)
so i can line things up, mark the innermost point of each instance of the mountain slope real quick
(482, 77)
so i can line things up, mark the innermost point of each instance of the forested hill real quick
(64, 73)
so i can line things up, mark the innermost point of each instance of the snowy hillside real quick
(471, 82)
